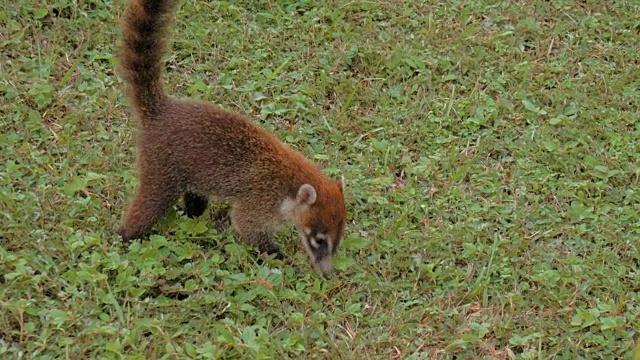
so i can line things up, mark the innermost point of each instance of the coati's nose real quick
(325, 265)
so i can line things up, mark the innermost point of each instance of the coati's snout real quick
(320, 223)
(319, 248)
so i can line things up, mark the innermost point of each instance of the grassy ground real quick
(490, 150)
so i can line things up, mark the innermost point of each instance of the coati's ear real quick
(342, 182)
(306, 195)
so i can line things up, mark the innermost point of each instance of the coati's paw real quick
(123, 233)
(270, 249)
(126, 236)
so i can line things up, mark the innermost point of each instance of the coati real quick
(195, 149)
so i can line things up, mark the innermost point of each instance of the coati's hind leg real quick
(194, 205)
(153, 199)
(250, 224)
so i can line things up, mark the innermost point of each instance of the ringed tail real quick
(144, 29)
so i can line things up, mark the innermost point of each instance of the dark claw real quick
(123, 233)
(271, 249)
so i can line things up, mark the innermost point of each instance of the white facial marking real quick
(287, 209)
(319, 236)
(324, 265)
(307, 247)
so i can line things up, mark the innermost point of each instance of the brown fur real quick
(196, 149)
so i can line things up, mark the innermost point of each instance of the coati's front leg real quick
(263, 241)
(156, 194)
(194, 205)
(250, 224)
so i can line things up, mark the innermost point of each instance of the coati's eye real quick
(318, 242)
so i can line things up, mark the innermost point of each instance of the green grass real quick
(491, 152)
